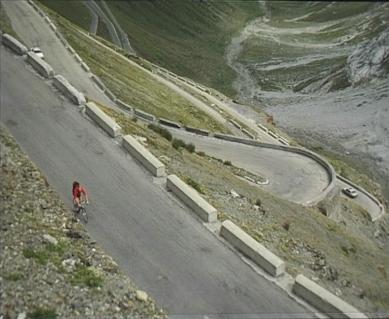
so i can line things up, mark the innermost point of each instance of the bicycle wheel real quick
(83, 214)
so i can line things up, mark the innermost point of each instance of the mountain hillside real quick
(188, 37)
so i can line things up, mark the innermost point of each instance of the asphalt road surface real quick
(34, 31)
(155, 239)
(292, 176)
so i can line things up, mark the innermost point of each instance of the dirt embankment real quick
(49, 266)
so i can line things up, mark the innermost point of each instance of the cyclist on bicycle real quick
(79, 195)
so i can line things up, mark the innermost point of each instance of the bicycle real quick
(81, 211)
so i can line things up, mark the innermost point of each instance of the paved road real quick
(34, 31)
(292, 176)
(155, 240)
(363, 200)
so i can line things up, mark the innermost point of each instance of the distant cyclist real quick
(79, 195)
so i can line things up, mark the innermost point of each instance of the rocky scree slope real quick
(49, 266)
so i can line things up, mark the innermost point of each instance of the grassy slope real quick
(74, 11)
(133, 85)
(187, 37)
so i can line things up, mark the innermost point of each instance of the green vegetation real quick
(133, 85)
(74, 11)
(177, 143)
(194, 184)
(14, 276)
(48, 252)
(161, 131)
(42, 313)
(88, 276)
(187, 37)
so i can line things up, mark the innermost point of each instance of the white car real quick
(38, 52)
(349, 191)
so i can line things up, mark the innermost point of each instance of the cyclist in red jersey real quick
(79, 194)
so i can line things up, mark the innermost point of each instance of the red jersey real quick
(77, 191)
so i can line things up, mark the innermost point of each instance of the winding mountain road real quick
(291, 176)
(155, 239)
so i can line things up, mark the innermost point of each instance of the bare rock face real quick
(369, 60)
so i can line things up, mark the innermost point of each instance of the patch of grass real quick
(13, 276)
(178, 143)
(194, 184)
(47, 253)
(190, 147)
(74, 11)
(227, 163)
(41, 255)
(42, 313)
(161, 131)
(87, 276)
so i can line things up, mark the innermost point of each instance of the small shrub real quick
(87, 276)
(201, 153)
(161, 131)
(195, 185)
(42, 313)
(13, 276)
(166, 134)
(227, 163)
(348, 250)
(177, 143)
(190, 148)
(40, 256)
(134, 119)
(258, 202)
(286, 225)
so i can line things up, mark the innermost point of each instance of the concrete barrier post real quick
(71, 50)
(169, 123)
(13, 44)
(323, 300)
(124, 106)
(236, 124)
(85, 67)
(191, 198)
(53, 27)
(141, 154)
(78, 58)
(252, 249)
(248, 133)
(197, 131)
(110, 95)
(99, 83)
(102, 119)
(68, 90)
(144, 115)
(42, 67)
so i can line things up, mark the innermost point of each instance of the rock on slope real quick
(49, 266)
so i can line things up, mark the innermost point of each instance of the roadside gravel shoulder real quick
(49, 265)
